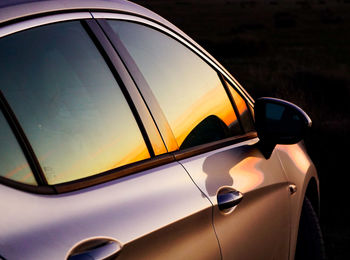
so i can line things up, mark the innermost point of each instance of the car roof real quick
(17, 10)
(11, 10)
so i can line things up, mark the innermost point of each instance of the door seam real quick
(212, 208)
(289, 202)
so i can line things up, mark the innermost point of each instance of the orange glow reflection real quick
(246, 176)
(21, 173)
(212, 102)
(240, 103)
(110, 156)
(140, 153)
(16, 170)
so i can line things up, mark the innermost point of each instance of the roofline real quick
(28, 10)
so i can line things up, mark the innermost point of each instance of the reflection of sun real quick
(245, 175)
(138, 154)
(211, 103)
(239, 101)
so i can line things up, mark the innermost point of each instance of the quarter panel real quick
(299, 169)
(135, 210)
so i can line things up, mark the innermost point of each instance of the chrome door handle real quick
(97, 248)
(228, 198)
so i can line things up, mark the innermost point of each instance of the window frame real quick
(148, 118)
(12, 28)
(22, 141)
(144, 120)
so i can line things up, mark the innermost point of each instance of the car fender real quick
(300, 171)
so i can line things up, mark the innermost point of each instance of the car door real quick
(82, 166)
(207, 124)
(257, 226)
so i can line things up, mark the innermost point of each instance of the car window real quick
(188, 90)
(244, 111)
(13, 164)
(68, 102)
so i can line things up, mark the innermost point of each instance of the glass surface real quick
(274, 111)
(188, 90)
(244, 113)
(68, 102)
(13, 164)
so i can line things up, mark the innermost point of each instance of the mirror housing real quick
(279, 122)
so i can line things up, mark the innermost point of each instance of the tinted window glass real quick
(242, 107)
(68, 102)
(13, 164)
(188, 90)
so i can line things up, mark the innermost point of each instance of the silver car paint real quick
(299, 170)
(258, 228)
(20, 26)
(67, 219)
(159, 206)
(47, 227)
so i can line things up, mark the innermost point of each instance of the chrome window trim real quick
(178, 37)
(35, 22)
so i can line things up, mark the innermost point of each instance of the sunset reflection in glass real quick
(13, 164)
(68, 102)
(188, 90)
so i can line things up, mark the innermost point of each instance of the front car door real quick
(207, 125)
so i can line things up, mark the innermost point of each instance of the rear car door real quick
(82, 171)
(208, 126)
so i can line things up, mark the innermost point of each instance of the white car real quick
(120, 137)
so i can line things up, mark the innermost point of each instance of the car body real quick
(122, 137)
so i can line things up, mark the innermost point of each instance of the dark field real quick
(295, 50)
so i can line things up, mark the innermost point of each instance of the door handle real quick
(228, 198)
(97, 248)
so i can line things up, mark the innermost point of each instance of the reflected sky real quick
(188, 89)
(13, 164)
(240, 103)
(246, 119)
(210, 103)
(68, 102)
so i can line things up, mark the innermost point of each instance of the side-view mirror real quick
(279, 122)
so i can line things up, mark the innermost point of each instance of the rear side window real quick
(68, 102)
(13, 164)
(244, 111)
(188, 90)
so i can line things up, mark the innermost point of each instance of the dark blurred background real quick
(295, 50)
